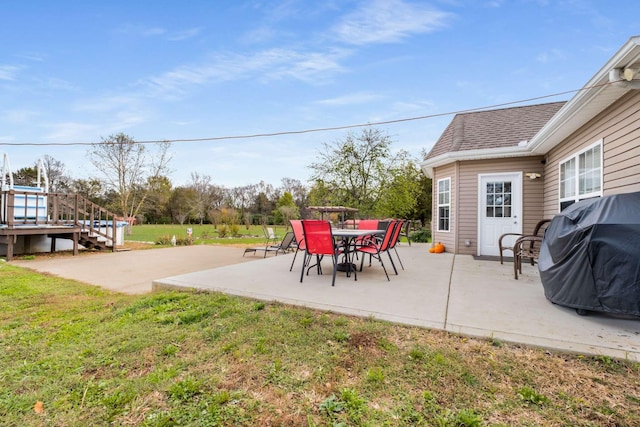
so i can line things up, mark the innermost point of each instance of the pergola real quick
(342, 210)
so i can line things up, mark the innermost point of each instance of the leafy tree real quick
(156, 207)
(423, 209)
(353, 172)
(26, 176)
(286, 209)
(90, 189)
(262, 206)
(299, 192)
(181, 204)
(399, 198)
(128, 168)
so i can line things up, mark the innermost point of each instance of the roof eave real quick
(428, 165)
(596, 95)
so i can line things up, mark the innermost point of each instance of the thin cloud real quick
(351, 99)
(8, 72)
(184, 34)
(145, 31)
(552, 55)
(141, 30)
(19, 116)
(385, 21)
(70, 131)
(268, 64)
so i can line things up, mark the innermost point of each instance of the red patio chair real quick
(368, 224)
(319, 242)
(375, 248)
(394, 241)
(296, 226)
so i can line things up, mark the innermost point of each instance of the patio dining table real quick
(349, 238)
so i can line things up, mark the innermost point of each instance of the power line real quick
(313, 130)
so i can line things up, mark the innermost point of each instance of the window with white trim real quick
(444, 203)
(581, 176)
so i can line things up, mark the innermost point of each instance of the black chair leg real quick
(392, 263)
(399, 260)
(294, 260)
(335, 267)
(304, 265)
(385, 268)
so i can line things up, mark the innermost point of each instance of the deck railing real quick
(35, 208)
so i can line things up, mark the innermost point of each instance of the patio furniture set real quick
(316, 239)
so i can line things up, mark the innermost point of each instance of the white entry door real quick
(500, 209)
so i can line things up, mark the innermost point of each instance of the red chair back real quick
(318, 237)
(368, 224)
(298, 232)
(388, 236)
(396, 233)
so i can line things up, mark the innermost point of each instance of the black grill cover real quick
(590, 255)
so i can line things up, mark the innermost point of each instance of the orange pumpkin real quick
(431, 249)
(438, 248)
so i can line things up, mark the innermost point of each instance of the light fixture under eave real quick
(624, 77)
(533, 175)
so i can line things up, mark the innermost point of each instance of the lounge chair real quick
(286, 245)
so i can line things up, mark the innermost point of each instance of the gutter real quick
(428, 165)
(613, 80)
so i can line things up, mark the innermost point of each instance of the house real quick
(503, 170)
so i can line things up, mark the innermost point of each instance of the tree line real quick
(359, 171)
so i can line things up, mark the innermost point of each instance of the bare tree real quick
(128, 167)
(201, 185)
(56, 172)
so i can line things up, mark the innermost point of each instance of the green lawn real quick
(93, 357)
(202, 234)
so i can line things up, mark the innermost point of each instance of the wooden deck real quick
(25, 214)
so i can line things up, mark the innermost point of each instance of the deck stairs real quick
(90, 241)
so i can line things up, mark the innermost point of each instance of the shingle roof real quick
(505, 127)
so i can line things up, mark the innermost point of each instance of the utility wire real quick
(314, 130)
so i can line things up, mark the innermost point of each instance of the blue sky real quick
(78, 71)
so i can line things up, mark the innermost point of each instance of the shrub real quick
(421, 236)
(163, 240)
(184, 241)
(168, 240)
(223, 231)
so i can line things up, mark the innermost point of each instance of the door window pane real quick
(499, 199)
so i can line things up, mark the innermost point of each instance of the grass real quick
(75, 355)
(202, 234)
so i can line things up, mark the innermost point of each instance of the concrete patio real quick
(456, 293)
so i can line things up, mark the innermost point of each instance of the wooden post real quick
(10, 241)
